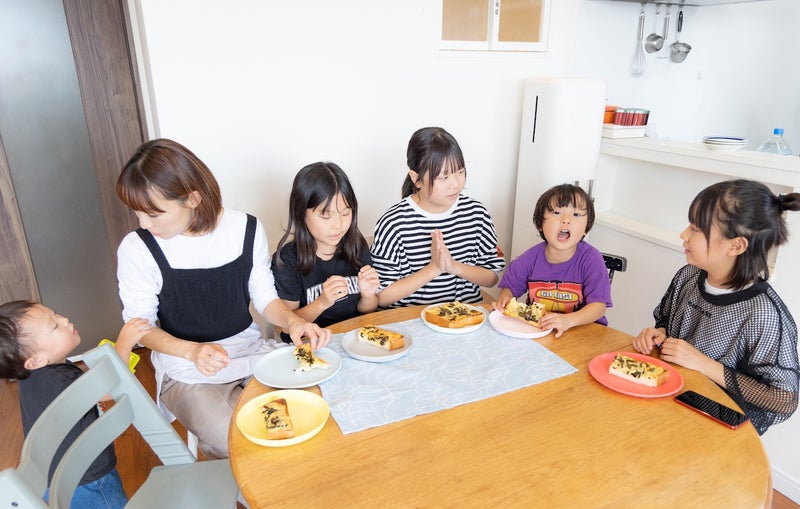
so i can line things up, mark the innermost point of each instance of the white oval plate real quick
(308, 413)
(371, 353)
(276, 369)
(449, 330)
(723, 148)
(515, 328)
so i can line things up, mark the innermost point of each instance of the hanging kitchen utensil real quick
(654, 41)
(639, 64)
(679, 50)
(665, 35)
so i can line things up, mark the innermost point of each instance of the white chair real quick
(182, 481)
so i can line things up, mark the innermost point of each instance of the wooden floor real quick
(134, 457)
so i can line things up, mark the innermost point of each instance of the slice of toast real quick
(306, 359)
(637, 371)
(453, 315)
(529, 314)
(385, 339)
(277, 420)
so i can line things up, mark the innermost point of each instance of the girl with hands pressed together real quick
(195, 267)
(436, 244)
(719, 315)
(564, 273)
(324, 272)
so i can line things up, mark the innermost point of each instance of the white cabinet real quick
(642, 194)
(562, 120)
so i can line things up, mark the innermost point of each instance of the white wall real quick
(259, 88)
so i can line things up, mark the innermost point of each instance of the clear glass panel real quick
(520, 20)
(464, 20)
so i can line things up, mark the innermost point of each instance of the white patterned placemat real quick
(440, 371)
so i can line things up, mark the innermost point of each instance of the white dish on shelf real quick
(723, 147)
(724, 142)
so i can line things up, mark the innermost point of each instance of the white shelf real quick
(661, 236)
(643, 185)
(696, 3)
(748, 164)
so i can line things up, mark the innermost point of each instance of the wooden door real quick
(18, 280)
(98, 34)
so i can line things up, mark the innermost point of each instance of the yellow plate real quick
(308, 413)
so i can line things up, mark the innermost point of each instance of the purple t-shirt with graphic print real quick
(561, 287)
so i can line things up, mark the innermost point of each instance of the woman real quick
(195, 267)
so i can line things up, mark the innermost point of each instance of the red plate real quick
(598, 368)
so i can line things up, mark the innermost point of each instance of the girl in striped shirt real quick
(436, 244)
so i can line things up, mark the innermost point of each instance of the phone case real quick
(713, 410)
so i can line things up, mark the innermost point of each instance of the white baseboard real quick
(786, 485)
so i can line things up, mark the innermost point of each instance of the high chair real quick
(181, 481)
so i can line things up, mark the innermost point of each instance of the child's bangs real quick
(443, 162)
(704, 210)
(566, 197)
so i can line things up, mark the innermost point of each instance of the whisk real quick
(639, 64)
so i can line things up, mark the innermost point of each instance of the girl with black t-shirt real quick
(324, 272)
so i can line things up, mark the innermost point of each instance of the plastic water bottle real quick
(776, 144)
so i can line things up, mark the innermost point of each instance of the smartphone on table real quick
(717, 411)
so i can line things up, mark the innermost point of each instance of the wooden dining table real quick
(567, 442)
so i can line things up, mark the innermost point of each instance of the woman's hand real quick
(317, 336)
(649, 338)
(368, 281)
(209, 358)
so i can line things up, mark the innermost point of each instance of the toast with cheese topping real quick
(385, 339)
(636, 371)
(276, 418)
(453, 315)
(306, 359)
(529, 314)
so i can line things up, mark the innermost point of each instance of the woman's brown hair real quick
(171, 169)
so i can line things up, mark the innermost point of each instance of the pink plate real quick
(598, 368)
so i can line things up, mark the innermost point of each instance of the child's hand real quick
(561, 322)
(683, 354)
(440, 255)
(648, 339)
(333, 289)
(502, 300)
(132, 332)
(368, 281)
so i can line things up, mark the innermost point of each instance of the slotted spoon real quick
(639, 64)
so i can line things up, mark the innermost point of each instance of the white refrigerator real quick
(562, 122)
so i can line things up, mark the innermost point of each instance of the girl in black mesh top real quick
(719, 315)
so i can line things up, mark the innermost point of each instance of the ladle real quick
(679, 50)
(654, 41)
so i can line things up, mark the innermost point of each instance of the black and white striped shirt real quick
(402, 246)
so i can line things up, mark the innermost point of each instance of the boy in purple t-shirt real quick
(564, 273)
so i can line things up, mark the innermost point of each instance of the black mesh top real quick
(750, 332)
